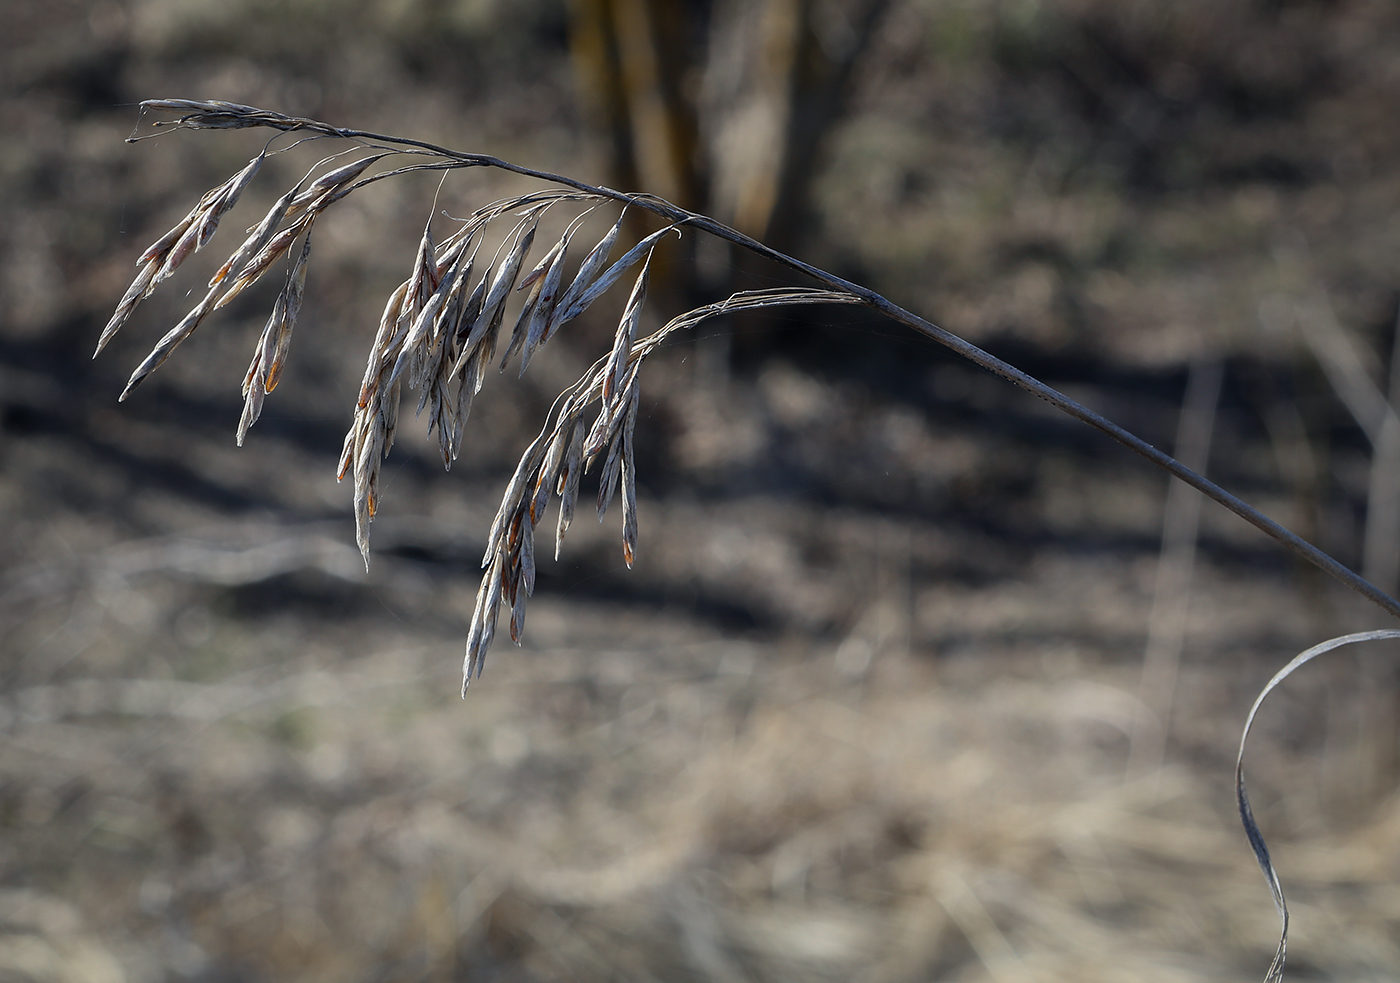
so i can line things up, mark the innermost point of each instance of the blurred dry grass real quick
(863, 710)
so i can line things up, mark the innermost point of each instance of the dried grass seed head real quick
(439, 332)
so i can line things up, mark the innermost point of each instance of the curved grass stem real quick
(228, 116)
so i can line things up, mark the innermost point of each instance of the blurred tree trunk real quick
(633, 60)
(777, 80)
(720, 106)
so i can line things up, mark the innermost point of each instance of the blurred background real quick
(914, 679)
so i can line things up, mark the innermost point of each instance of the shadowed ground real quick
(863, 708)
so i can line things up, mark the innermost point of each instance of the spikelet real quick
(190, 234)
(270, 354)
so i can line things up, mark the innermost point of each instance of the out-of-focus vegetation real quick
(863, 711)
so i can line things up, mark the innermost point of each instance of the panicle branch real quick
(441, 329)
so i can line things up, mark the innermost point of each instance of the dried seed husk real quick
(293, 292)
(457, 317)
(471, 315)
(598, 434)
(466, 392)
(511, 501)
(493, 307)
(553, 460)
(259, 264)
(255, 380)
(568, 484)
(387, 322)
(184, 246)
(596, 259)
(347, 448)
(517, 618)
(522, 323)
(329, 183)
(543, 309)
(527, 556)
(232, 190)
(604, 429)
(607, 478)
(424, 268)
(368, 456)
(253, 393)
(133, 296)
(391, 415)
(197, 228)
(495, 590)
(487, 599)
(252, 405)
(258, 237)
(169, 342)
(213, 114)
(629, 484)
(542, 267)
(626, 334)
(611, 275)
(159, 249)
(262, 351)
(421, 330)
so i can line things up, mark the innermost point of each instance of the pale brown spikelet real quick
(258, 237)
(230, 193)
(212, 114)
(542, 267)
(127, 304)
(253, 394)
(493, 306)
(200, 225)
(611, 275)
(596, 259)
(155, 263)
(512, 501)
(468, 333)
(293, 292)
(389, 409)
(168, 343)
(418, 340)
(261, 262)
(629, 485)
(543, 309)
(372, 432)
(553, 461)
(367, 482)
(569, 477)
(534, 283)
(270, 354)
(347, 449)
(523, 584)
(483, 626)
(387, 323)
(626, 334)
(264, 244)
(162, 246)
(329, 184)
(607, 477)
(425, 275)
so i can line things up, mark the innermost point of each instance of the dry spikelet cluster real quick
(440, 333)
(442, 327)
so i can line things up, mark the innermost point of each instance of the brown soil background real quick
(862, 710)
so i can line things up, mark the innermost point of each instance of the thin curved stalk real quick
(212, 115)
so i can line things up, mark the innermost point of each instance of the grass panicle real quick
(442, 326)
(441, 329)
